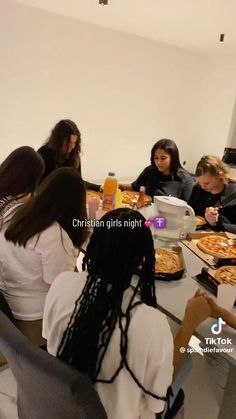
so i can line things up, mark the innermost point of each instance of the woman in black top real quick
(214, 197)
(63, 149)
(165, 175)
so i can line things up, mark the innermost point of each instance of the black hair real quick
(19, 173)
(59, 138)
(171, 148)
(114, 254)
(60, 197)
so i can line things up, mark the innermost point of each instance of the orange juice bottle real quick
(109, 192)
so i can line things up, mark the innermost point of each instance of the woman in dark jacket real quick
(165, 175)
(63, 149)
(214, 197)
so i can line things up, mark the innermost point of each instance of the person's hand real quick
(125, 187)
(216, 310)
(197, 310)
(212, 215)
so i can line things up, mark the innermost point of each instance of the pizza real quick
(92, 195)
(200, 221)
(218, 246)
(131, 198)
(166, 261)
(226, 275)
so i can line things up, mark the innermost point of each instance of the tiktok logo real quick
(158, 222)
(217, 327)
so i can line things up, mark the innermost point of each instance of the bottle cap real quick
(111, 174)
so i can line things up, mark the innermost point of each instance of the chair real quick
(46, 387)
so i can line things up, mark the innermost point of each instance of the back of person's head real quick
(170, 147)
(120, 247)
(60, 138)
(60, 197)
(214, 166)
(20, 172)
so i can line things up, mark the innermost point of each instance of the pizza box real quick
(207, 279)
(166, 276)
(213, 261)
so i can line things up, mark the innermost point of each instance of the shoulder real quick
(150, 324)
(45, 151)
(147, 170)
(186, 176)
(53, 236)
(230, 187)
(69, 283)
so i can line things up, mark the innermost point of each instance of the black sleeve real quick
(92, 186)
(47, 156)
(188, 184)
(141, 180)
(195, 200)
(224, 225)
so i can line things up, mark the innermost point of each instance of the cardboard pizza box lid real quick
(207, 279)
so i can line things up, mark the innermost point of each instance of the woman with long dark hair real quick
(165, 175)
(63, 148)
(105, 322)
(38, 241)
(19, 175)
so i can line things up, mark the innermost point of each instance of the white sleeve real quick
(57, 252)
(159, 369)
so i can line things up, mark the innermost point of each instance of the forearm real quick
(229, 318)
(125, 186)
(92, 186)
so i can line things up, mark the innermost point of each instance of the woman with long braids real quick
(105, 321)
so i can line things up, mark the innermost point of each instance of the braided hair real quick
(115, 253)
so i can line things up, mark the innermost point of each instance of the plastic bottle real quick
(109, 192)
(118, 201)
(141, 200)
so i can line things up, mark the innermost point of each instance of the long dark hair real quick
(60, 137)
(60, 197)
(171, 148)
(20, 172)
(115, 253)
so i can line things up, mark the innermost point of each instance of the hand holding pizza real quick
(212, 215)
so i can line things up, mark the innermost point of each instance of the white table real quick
(172, 298)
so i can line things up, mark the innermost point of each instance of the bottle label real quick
(108, 203)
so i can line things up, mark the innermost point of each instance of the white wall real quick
(123, 91)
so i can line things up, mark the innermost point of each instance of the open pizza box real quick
(170, 276)
(213, 261)
(208, 280)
